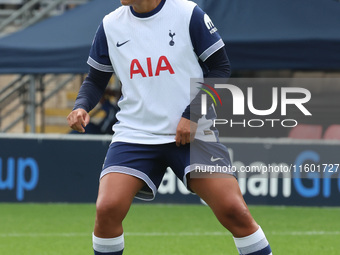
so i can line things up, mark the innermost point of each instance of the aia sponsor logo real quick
(163, 65)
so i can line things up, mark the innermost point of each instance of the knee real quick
(234, 213)
(110, 214)
(110, 209)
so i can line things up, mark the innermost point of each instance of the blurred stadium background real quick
(44, 46)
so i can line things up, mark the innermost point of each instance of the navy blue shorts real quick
(149, 162)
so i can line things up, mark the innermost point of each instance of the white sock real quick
(107, 245)
(256, 242)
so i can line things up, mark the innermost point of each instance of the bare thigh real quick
(224, 197)
(115, 195)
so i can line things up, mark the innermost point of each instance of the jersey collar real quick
(148, 14)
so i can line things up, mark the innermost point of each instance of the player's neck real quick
(145, 6)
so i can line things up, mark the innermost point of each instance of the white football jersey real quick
(154, 55)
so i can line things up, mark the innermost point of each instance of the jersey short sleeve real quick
(204, 36)
(99, 52)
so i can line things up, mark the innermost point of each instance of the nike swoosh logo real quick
(121, 44)
(215, 159)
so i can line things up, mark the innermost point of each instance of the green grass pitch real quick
(57, 229)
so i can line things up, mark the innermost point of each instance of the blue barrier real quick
(66, 168)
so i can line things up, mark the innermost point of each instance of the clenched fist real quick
(78, 120)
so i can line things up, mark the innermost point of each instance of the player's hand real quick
(78, 119)
(185, 132)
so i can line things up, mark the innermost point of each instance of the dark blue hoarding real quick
(58, 168)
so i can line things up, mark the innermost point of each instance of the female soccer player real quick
(154, 47)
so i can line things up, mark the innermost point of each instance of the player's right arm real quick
(94, 84)
(88, 97)
(78, 120)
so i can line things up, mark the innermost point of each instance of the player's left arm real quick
(218, 67)
(210, 49)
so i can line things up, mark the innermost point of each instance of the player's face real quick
(129, 2)
(141, 5)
